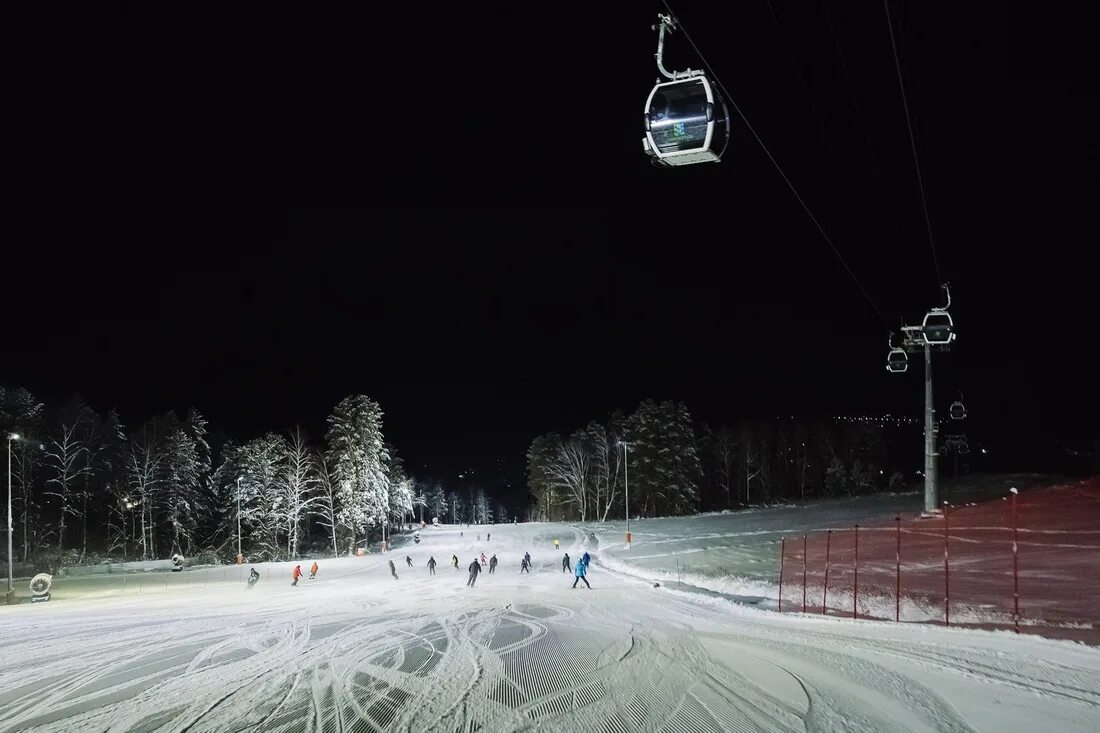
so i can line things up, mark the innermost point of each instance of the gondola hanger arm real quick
(667, 22)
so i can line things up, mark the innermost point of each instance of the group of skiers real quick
(475, 568)
(295, 574)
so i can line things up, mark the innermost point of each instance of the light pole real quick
(133, 526)
(240, 554)
(626, 485)
(10, 595)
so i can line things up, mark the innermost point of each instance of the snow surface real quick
(357, 650)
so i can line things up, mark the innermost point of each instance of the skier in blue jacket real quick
(579, 570)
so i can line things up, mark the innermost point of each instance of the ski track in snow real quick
(358, 651)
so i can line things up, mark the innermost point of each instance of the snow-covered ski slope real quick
(357, 650)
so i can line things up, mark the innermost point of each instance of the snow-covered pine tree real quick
(207, 507)
(540, 480)
(454, 505)
(663, 458)
(262, 465)
(483, 507)
(179, 485)
(400, 486)
(686, 472)
(357, 454)
(437, 503)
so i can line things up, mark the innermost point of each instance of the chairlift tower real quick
(934, 335)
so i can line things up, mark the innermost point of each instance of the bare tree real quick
(297, 485)
(569, 470)
(325, 507)
(142, 477)
(751, 458)
(600, 449)
(724, 448)
(64, 455)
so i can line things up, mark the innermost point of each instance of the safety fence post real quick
(946, 567)
(782, 550)
(1015, 566)
(855, 575)
(803, 573)
(825, 590)
(897, 574)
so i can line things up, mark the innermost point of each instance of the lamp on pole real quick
(240, 555)
(133, 526)
(9, 597)
(626, 486)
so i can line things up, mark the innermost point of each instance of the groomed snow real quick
(357, 650)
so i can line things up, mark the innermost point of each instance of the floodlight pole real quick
(9, 597)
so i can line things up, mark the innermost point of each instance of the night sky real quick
(450, 211)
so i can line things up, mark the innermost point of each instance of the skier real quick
(479, 538)
(475, 568)
(527, 557)
(488, 536)
(431, 565)
(586, 559)
(556, 544)
(460, 534)
(297, 574)
(524, 565)
(313, 570)
(454, 561)
(565, 568)
(483, 560)
(580, 571)
(253, 576)
(493, 564)
(393, 570)
(408, 561)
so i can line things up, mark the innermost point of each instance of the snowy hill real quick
(356, 649)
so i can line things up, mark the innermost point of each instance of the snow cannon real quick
(177, 562)
(40, 587)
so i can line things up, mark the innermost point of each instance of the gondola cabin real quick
(686, 122)
(897, 362)
(938, 328)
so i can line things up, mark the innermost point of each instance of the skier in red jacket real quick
(297, 574)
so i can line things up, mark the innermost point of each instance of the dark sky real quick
(449, 210)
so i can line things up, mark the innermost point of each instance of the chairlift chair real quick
(957, 410)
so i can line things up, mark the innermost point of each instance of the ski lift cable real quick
(783, 175)
(913, 143)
